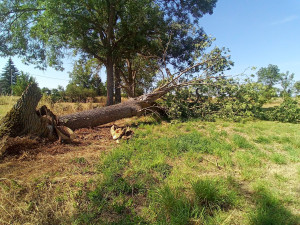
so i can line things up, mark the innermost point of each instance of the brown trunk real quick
(99, 116)
(109, 55)
(110, 81)
(131, 85)
(117, 85)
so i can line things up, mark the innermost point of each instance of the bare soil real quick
(40, 156)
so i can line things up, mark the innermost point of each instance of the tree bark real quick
(109, 54)
(99, 116)
(110, 81)
(117, 85)
(23, 119)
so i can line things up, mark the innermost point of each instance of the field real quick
(191, 172)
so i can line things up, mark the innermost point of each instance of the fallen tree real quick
(25, 120)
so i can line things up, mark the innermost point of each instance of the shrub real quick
(288, 111)
(77, 93)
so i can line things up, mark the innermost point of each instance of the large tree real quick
(8, 78)
(41, 31)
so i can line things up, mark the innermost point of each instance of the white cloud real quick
(285, 20)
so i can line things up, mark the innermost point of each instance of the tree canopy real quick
(85, 74)
(110, 31)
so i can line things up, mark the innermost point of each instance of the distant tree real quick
(138, 75)
(287, 82)
(58, 94)
(23, 80)
(297, 88)
(85, 75)
(269, 75)
(79, 93)
(8, 77)
(46, 91)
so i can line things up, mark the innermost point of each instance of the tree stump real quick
(23, 120)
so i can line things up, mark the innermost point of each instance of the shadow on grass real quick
(270, 211)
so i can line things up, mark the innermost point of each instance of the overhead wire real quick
(54, 78)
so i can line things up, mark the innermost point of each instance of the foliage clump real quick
(287, 111)
(229, 99)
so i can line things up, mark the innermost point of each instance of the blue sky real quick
(258, 33)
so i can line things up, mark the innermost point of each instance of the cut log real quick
(99, 116)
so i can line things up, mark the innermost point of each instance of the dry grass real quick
(59, 108)
(42, 185)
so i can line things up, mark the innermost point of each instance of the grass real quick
(269, 209)
(191, 172)
(176, 174)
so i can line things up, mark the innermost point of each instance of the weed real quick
(293, 152)
(80, 160)
(241, 142)
(172, 206)
(280, 177)
(213, 194)
(279, 159)
(262, 140)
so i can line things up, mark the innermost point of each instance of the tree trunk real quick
(110, 81)
(117, 85)
(109, 54)
(99, 116)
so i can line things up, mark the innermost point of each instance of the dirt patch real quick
(39, 157)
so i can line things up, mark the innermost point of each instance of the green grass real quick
(241, 142)
(270, 210)
(278, 158)
(194, 172)
(176, 174)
